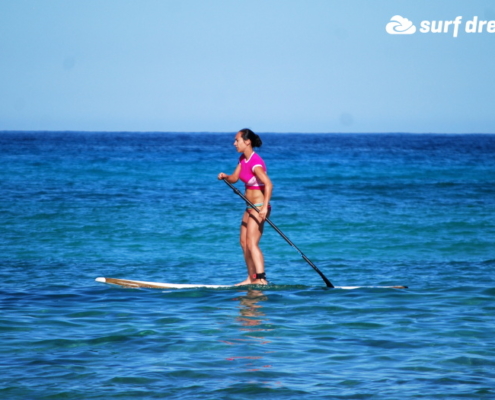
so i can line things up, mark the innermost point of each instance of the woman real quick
(252, 171)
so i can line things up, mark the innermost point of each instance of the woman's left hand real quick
(263, 213)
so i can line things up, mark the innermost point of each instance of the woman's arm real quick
(263, 177)
(233, 178)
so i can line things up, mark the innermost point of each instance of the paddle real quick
(237, 191)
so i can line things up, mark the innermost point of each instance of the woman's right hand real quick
(222, 176)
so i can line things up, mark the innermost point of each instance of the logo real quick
(400, 26)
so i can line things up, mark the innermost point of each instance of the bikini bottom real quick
(257, 205)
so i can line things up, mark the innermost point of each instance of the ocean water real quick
(370, 209)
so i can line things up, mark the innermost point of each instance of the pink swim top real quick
(247, 171)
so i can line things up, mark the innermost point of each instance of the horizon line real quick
(230, 132)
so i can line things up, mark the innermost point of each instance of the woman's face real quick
(241, 144)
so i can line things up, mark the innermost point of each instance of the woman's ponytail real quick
(248, 134)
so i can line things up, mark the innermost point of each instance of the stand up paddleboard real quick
(127, 283)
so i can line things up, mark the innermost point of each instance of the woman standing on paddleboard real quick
(252, 171)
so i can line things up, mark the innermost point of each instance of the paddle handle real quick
(238, 192)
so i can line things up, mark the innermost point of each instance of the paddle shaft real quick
(325, 279)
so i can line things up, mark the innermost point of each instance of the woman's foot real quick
(249, 281)
(259, 282)
(244, 282)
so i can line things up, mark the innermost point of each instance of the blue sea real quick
(367, 209)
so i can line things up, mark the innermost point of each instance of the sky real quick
(314, 66)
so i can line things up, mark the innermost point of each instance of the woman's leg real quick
(247, 257)
(254, 232)
(250, 235)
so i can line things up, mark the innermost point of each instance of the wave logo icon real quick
(400, 26)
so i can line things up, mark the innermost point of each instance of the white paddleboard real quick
(162, 285)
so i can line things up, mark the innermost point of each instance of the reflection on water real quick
(252, 320)
(250, 311)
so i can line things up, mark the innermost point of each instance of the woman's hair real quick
(248, 134)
